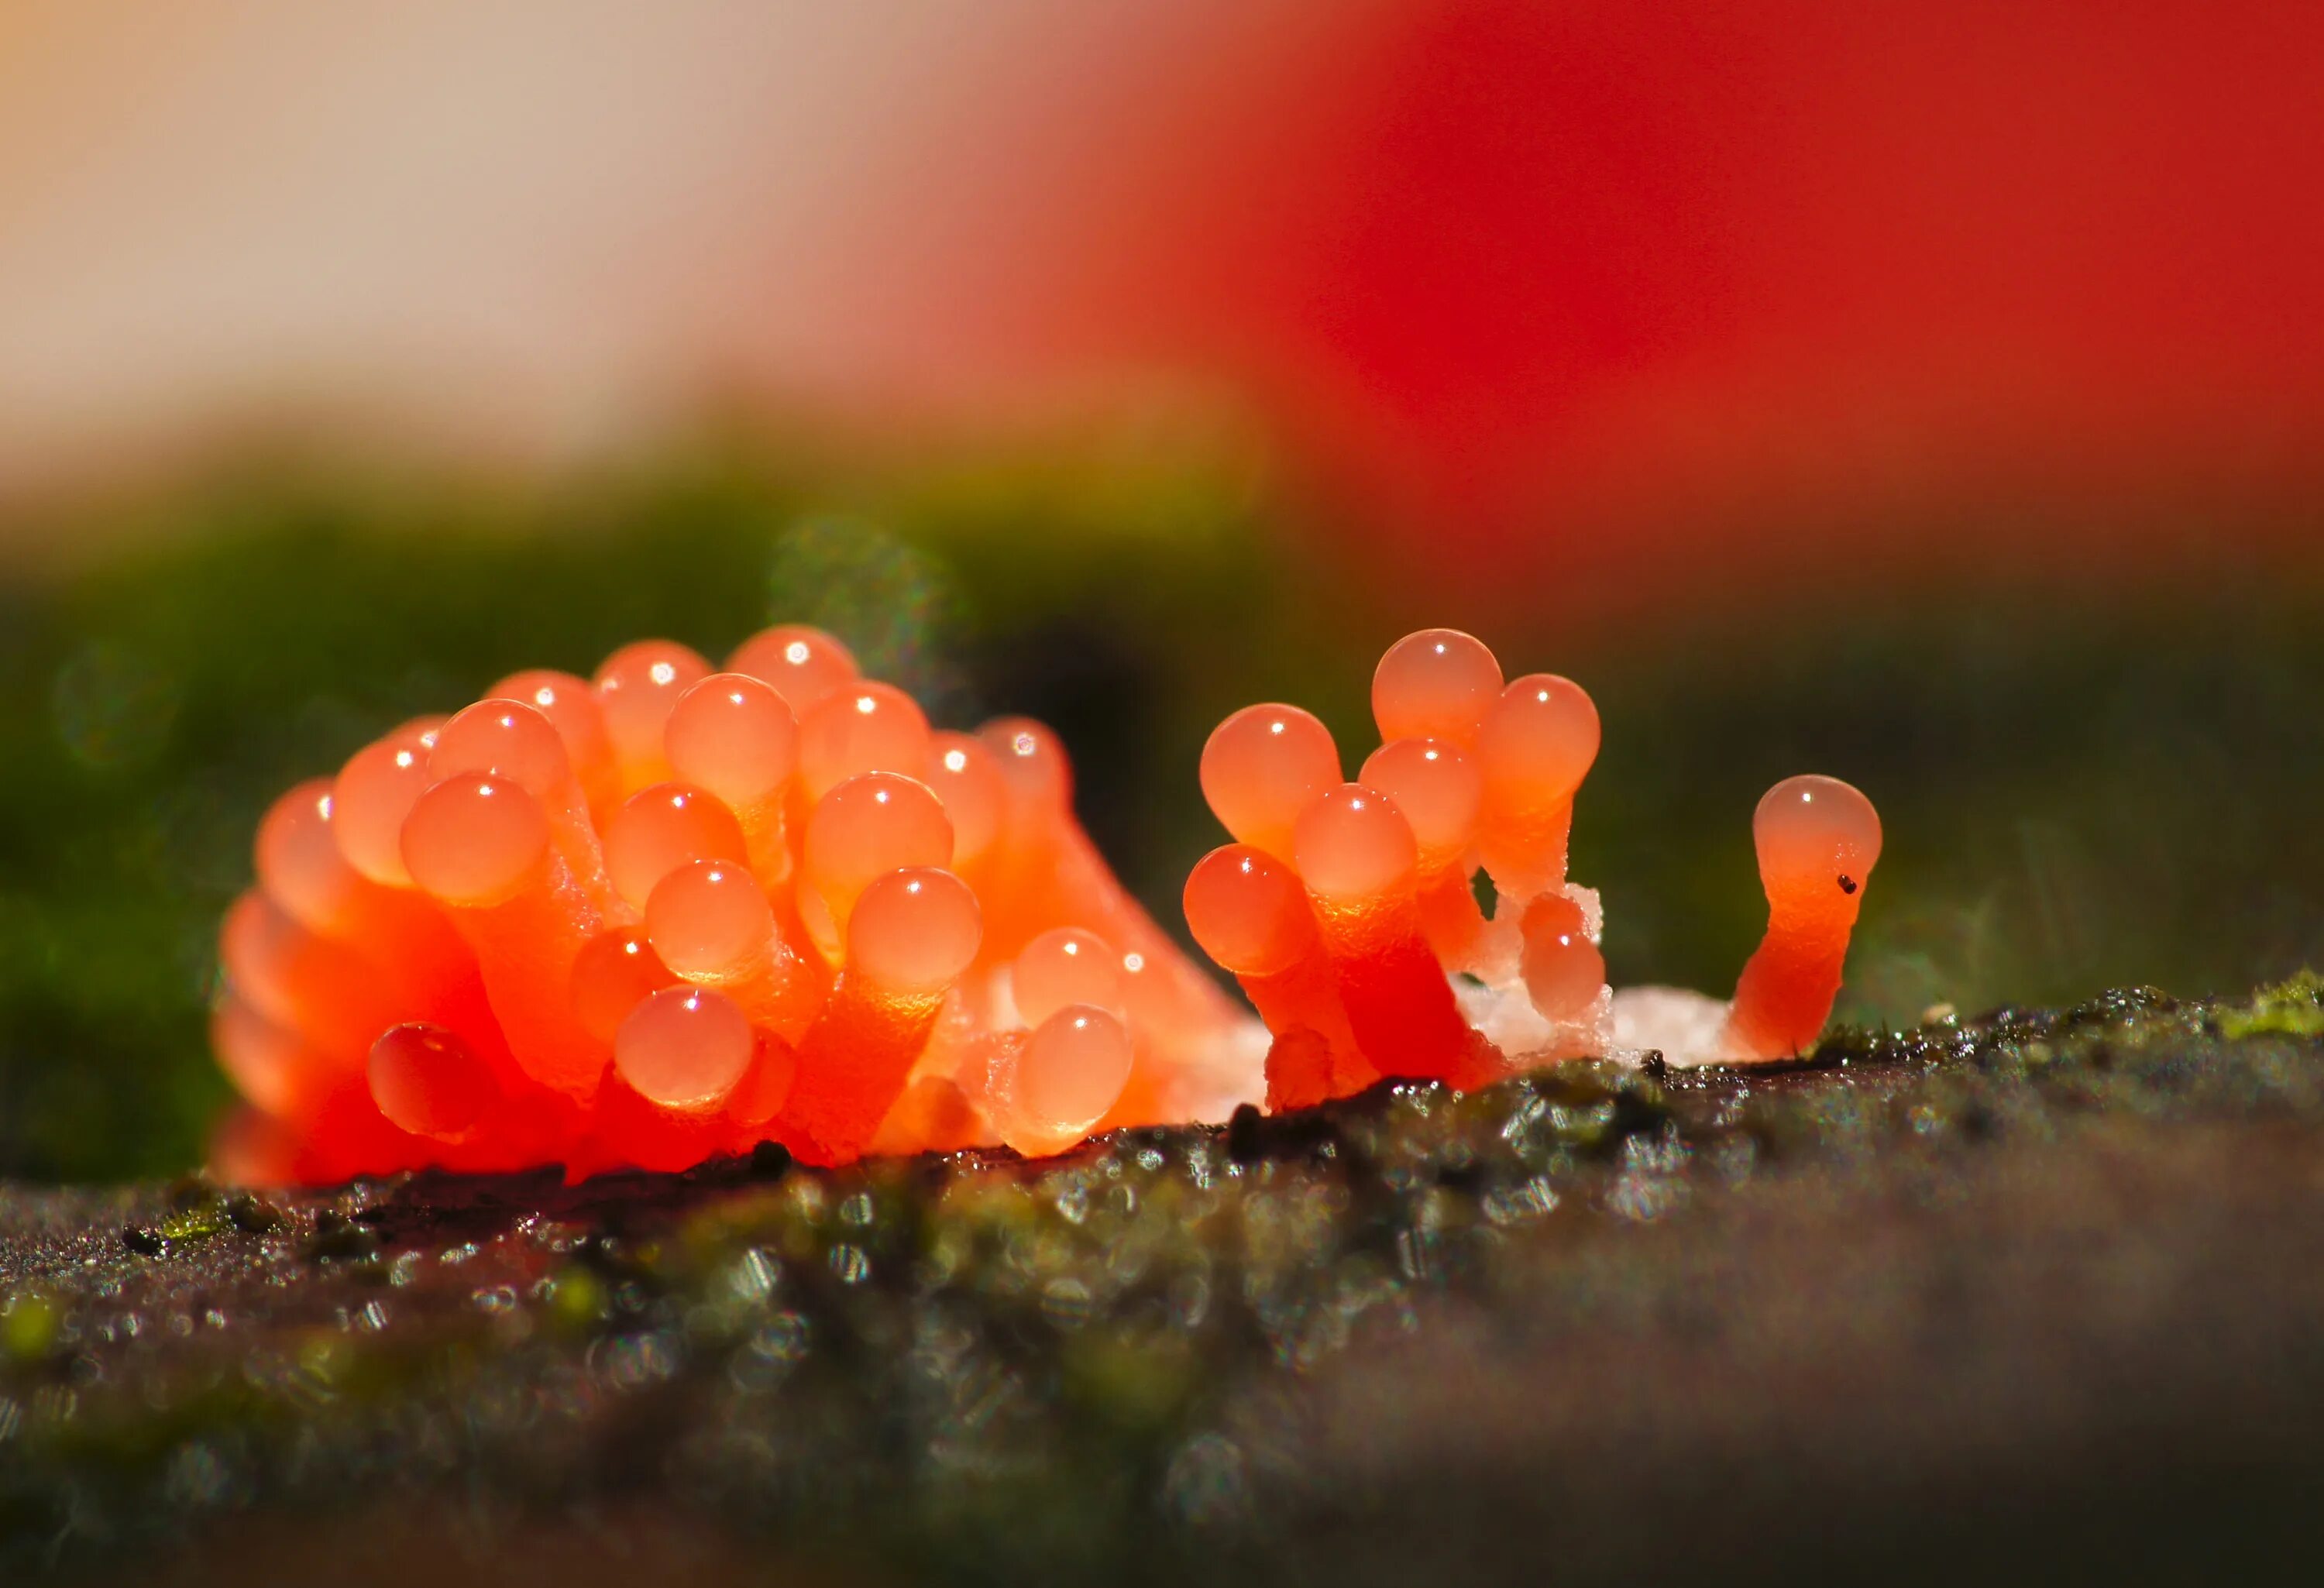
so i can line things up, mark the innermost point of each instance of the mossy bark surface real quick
(2037, 1293)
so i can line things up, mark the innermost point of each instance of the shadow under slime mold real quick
(667, 914)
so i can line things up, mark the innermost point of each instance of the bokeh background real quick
(1931, 394)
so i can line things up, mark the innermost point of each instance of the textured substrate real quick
(2041, 1293)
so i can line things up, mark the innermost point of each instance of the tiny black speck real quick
(144, 1242)
(1846, 884)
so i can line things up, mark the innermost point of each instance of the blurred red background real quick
(1581, 283)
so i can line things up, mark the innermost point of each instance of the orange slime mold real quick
(1358, 857)
(1818, 840)
(1250, 913)
(1348, 911)
(666, 913)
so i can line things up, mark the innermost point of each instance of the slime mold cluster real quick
(668, 913)
(1341, 907)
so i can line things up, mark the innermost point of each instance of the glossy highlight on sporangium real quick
(668, 913)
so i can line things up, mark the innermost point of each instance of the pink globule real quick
(684, 1047)
(426, 1080)
(1818, 840)
(865, 727)
(1436, 786)
(1538, 741)
(1032, 760)
(300, 863)
(569, 702)
(1351, 842)
(637, 688)
(710, 921)
(505, 739)
(325, 991)
(966, 778)
(373, 793)
(615, 972)
(1248, 911)
(803, 664)
(272, 1066)
(1437, 684)
(1536, 745)
(1259, 769)
(660, 828)
(866, 826)
(735, 736)
(1563, 970)
(1072, 1070)
(760, 1096)
(473, 840)
(1066, 966)
(913, 931)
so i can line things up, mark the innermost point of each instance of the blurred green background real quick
(2083, 784)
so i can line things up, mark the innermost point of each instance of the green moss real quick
(197, 1224)
(2294, 1008)
(28, 1327)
